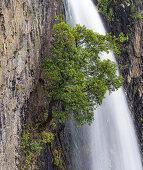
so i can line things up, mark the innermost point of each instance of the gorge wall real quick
(25, 31)
(127, 17)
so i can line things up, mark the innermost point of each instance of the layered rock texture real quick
(25, 31)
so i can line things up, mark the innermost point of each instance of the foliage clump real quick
(33, 141)
(76, 78)
(57, 161)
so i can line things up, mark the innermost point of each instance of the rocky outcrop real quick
(127, 18)
(132, 59)
(25, 31)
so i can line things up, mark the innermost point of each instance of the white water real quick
(113, 140)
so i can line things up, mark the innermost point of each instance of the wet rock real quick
(132, 58)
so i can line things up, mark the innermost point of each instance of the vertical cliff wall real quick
(127, 17)
(25, 31)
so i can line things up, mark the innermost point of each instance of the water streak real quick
(112, 136)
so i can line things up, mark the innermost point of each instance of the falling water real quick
(112, 137)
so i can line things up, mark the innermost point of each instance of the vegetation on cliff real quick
(128, 18)
(76, 78)
(34, 140)
(107, 8)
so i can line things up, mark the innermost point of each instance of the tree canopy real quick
(76, 78)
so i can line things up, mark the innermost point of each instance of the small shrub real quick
(18, 87)
(139, 16)
(47, 137)
(57, 158)
(34, 146)
(56, 17)
(53, 125)
(25, 141)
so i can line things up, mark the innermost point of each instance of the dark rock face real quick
(132, 58)
(121, 20)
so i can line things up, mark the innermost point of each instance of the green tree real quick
(76, 78)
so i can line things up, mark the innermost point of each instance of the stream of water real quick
(112, 139)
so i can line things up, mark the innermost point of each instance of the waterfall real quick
(112, 136)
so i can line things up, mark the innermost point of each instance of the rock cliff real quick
(127, 17)
(25, 31)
